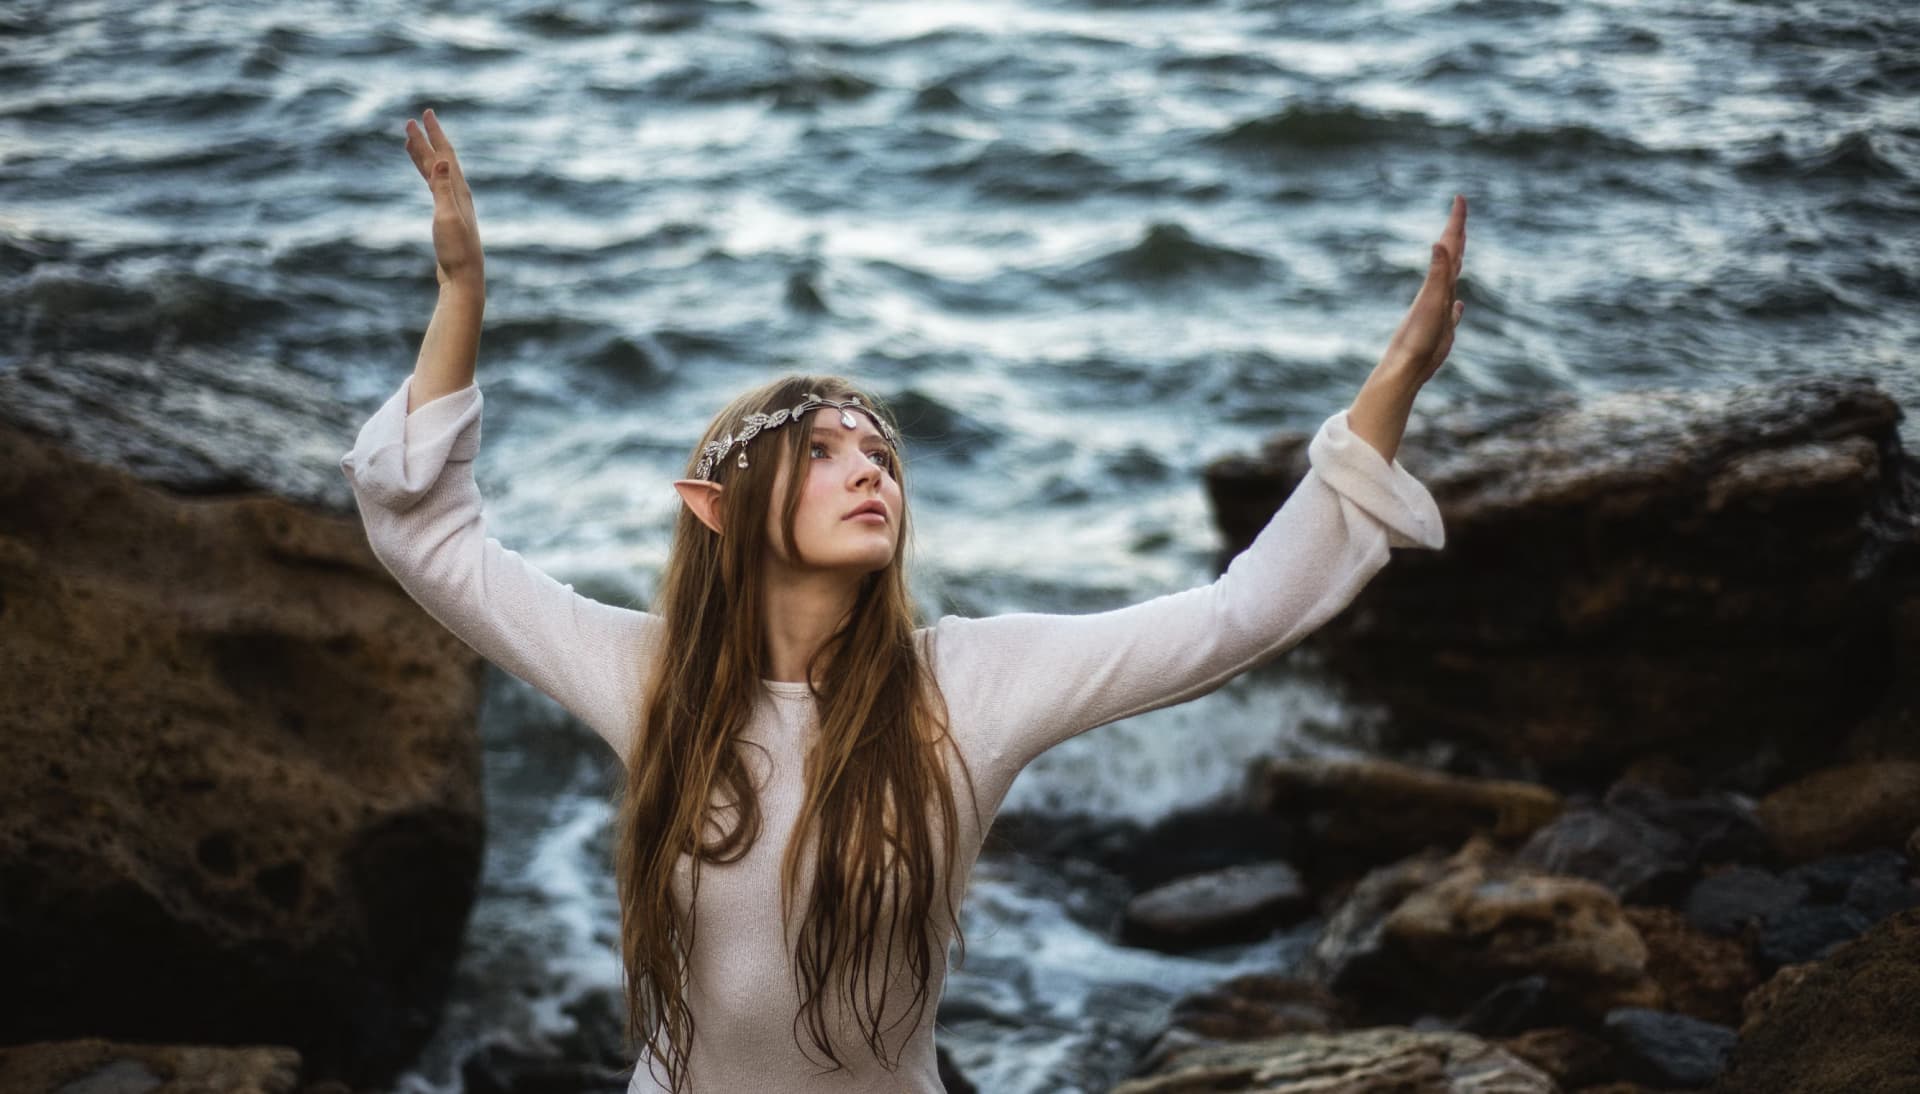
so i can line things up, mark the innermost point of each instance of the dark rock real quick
(1235, 904)
(1183, 842)
(1781, 512)
(1829, 880)
(1727, 903)
(1357, 814)
(503, 1069)
(1644, 845)
(1847, 1026)
(1624, 851)
(1251, 1007)
(1379, 1059)
(1878, 894)
(1665, 1049)
(241, 763)
(1718, 827)
(93, 1065)
(1806, 932)
(599, 1030)
(1517, 1006)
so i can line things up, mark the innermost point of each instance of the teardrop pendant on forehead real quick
(846, 418)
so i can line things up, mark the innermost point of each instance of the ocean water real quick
(1085, 247)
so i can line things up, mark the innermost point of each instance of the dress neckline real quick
(794, 688)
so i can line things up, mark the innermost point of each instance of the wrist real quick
(1399, 374)
(463, 294)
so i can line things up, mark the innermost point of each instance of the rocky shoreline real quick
(1643, 812)
(1654, 820)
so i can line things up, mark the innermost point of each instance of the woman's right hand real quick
(457, 260)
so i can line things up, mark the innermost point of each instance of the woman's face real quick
(846, 470)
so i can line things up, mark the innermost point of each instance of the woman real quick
(809, 773)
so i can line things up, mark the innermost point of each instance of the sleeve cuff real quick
(1386, 491)
(398, 456)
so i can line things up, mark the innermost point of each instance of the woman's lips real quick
(870, 516)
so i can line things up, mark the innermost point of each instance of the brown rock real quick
(1854, 807)
(1483, 926)
(1432, 935)
(1600, 553)
(1382, 1059)
(1699, 975)
(1763, 998)
(94, 1064)
(1572, 1057)
(241, 763)
(1847, 1026)
(1258, 1005)
(1367, 812)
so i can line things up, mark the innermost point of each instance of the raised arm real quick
(412, 476)
(411, 469)
(1022, 683)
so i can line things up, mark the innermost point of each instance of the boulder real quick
(1847, 1025)
(242, 765)
(1852, 807)
(94, 1064)
(1234, 904)
(1713, 574)
(1435, 936)
(1667, 1050)
(1353, 815)
(1381, 1059)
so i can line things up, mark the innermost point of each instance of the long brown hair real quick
(875, 777)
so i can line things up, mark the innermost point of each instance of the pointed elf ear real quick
(703, 498)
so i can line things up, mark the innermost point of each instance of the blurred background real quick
(1083, 247)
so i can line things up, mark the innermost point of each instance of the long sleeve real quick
(1020, 683)
(412, 477)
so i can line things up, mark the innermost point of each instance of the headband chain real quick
(754, 424)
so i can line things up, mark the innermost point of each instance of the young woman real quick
(809, 771)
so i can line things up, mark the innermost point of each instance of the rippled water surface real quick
(1085, 247)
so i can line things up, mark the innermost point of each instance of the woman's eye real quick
(816, 447)
(883, 458)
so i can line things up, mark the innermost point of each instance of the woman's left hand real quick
(1425, 336)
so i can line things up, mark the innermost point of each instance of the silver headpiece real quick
(754, 424)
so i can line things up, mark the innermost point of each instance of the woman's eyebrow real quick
(830, 433)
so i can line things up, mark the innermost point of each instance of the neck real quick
(803, 608)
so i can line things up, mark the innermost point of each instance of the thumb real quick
(442, 176)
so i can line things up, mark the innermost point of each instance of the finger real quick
(418, 151)
(441, 143)
(1456, 234)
